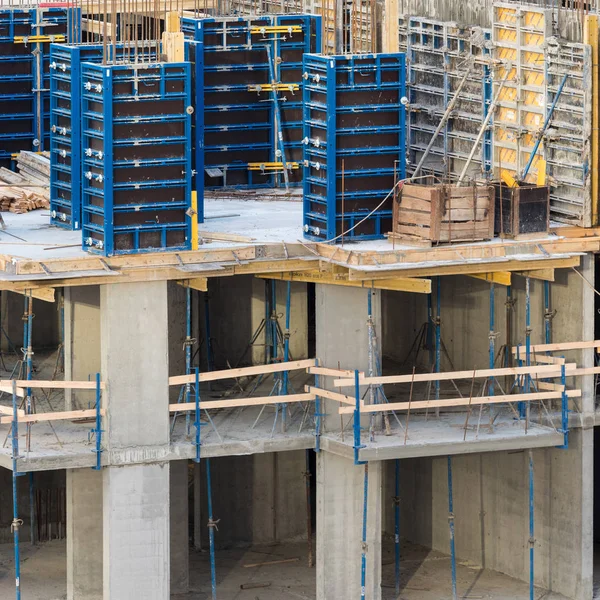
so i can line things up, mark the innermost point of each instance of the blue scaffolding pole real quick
(451, 525)
(98, 431)
(286, 349)
(212, 525)
(16, 522)
(363, 557)
(548, 314)
(531, 528)
(397, 525)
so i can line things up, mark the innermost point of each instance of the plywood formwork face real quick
(438, 56)
(519, 33)
(546, 97)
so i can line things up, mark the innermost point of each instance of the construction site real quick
(299, 299)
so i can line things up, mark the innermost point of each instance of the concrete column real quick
(342, 338)
(136, 497)
(84, 534)
(342, 334)
(136, 532)
(340, 504)
(82, 342)
(180, 542)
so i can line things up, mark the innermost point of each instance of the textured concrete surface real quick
(425, 575)
(84, 534)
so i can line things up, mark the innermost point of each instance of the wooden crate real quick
(521, 211)
(444, 213)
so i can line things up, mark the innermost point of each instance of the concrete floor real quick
(425, 575)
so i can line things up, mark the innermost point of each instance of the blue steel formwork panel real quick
(354, 143)
(136, 153)
(437, 56)
(65, 125)
(24, 73)
(239, 114)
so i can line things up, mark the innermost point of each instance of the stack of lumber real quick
(29, 188)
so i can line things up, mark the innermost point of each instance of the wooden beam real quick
(292, 365)
(55, 416)
(198, 283)
(41, 293)
(52, 384)
(452, 402)
(329, 372)
(237, 402)
(500, 277)
(467, 268)
(331, 395)
(562, 347)
(96, 27)
(545, 371)
(419, 286)
(543, 274)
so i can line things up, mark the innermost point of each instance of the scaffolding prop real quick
(451, 527)
(16, 522)
(531, 529)
(396, 501)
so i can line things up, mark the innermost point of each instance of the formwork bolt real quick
(88, 152)
(87, 85)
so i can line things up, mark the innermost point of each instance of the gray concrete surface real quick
(179, 526)
(491, 509)
(84, 534)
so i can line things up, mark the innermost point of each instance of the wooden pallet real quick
(443, 213)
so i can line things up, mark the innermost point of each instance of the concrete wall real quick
(237, 307)
(54, 481)
(465, 316)
(491, 509)
(46, 332)
(568, 22)
(260, 499)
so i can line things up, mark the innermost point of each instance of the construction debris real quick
(28, 189)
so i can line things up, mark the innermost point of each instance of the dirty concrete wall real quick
(465, 314)
(51, 486)
(491, 496)
(260, 499)
(46, 330)
(236, 309)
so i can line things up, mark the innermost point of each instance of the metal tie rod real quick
(445, 118)
(484, 125)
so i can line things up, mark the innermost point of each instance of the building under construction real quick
(298, 300)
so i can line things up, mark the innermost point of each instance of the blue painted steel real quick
(188, 351)
(523, 405)
(564, 408)
(197, 423)
(356, 420)
(451, 525)
(365, 153)
(195, 55)
(547, 313)
(531, 529)
(492, 347)
(209, 351)
(24, 89)
(430, 328)
(438, 334)
(65, 126)
(318, 415)
(211, 533)
(98, 430)
(397, 525)
(16, 522)
(236, 126)
(286, 346)
(124, 211)
(544, 127)
(507, 349)
(363, 557)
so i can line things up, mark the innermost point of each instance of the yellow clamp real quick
(36, 39)
(276, 29)
(271, 166)
(277, 87)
